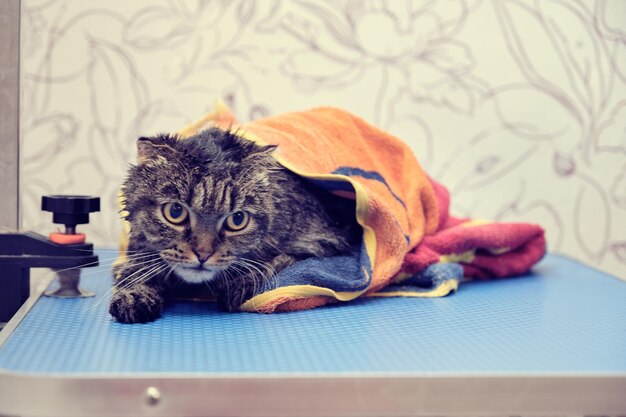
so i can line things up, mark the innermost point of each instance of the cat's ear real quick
(149, 147)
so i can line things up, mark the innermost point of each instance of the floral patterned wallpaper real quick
(518, 106)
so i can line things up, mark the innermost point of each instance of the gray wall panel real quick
(9, 113)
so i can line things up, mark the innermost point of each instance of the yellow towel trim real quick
(499, 251)
(465, 257)
(298, 291)
(475, 222)
(441, 291)
(402, 276)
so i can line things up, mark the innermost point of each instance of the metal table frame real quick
(324, 395)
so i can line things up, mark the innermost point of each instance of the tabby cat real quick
(217, 210)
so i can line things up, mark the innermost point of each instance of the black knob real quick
(70, 210)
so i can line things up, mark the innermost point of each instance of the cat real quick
(216, 209)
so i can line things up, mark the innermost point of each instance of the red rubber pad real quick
(63, 239)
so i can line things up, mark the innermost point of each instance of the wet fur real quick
(216, 173)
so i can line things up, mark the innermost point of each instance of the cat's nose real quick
(202, 254)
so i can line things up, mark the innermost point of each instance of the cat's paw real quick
(140, 304)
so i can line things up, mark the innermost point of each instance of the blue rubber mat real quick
(563, 318)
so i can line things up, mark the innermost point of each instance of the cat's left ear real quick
(149, 147)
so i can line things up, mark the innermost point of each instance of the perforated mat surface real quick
(563, 318)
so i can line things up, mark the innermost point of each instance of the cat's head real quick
(204, 203)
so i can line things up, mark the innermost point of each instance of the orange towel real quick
(397, 205)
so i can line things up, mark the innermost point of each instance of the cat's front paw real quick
(136, 305)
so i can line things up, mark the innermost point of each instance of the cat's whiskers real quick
(242, 293)
(143, 277)
(114, 287)
(97, 270)
(140, 279)
(148, 272)
(99, 261)
(172, 267)
(257, 280)
(83, 273)
(178, 282)
(273, 281)
(120, 285)
(236, 268)
(106, 250)
(140, 254)
(272, 276)
(270, 269)
(257, 275)
(227, 283)
(251, 268)
(241, 278)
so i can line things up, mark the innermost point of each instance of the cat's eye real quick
(175, 213)
(237, 221)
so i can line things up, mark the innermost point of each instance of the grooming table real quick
(551, 342)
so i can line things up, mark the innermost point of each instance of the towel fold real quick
(411, 245)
